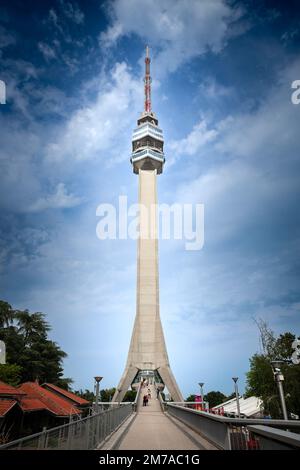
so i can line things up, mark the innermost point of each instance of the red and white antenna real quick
(147, 81)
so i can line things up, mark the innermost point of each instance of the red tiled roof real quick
(70, 395)
(52, 402)
(32, 404)
(6, 405)
(6, 390)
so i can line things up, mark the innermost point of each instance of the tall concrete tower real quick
(147, 357)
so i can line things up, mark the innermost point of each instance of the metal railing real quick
(137, 397)
(161, 402)
(157, 155)
(194, 405)
(106, 405)
(227, 433)
(86, 433)
(275, 439)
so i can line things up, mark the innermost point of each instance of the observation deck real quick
(147, 145)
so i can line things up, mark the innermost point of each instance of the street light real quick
(202, 396)
(279, 378)
(235, 379)
(97, 380)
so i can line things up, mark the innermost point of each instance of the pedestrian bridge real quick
(152, 428)
(162, 426)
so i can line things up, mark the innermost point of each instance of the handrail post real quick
(42, 439)
(87, 434)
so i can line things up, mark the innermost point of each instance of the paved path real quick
(154, 430)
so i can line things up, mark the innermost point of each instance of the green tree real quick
(33, 326)
(292, 388)
(28, 346)
(10, 374)
(42, 360)
(232, 395)
(87, 395)
(107, 394)
(215, 398)
(6, 314)
(283, 347)
(260, 378)
(129, 395)
(65, 383)
(191, 398)
(260, 383)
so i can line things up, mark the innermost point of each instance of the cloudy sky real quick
(222, 74)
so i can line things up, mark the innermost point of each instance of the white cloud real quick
(59, 200)
(267, 132)
(47, 51)
(249, 162)
(72, 11)
(199, 136)
(6, 38)
(214, 287)
(213, 90)
(17, 165)
(56, 21)
(53, 18)
(21, 69)
(179, 29)
(249, 184)
(103, 125)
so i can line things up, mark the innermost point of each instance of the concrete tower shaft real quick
(147, 352)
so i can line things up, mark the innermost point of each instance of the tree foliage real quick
(260, 378)
(215, 398)
(191, 398)
(130, 395)
(6, 314)
(10, 374)
(106, 394)
(86, 394)
(28, 347)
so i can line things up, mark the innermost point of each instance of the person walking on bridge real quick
(145, 400)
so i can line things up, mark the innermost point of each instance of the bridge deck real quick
(154, 430)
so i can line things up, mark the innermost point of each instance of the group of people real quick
(147, 396)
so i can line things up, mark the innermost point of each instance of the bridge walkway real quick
(152, 429)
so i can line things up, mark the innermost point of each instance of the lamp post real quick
(235, 379)
(279, 378)
(202, 396)
(97, 383)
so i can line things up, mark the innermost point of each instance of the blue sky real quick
(222, 74)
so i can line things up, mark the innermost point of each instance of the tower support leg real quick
(125, 382)
(170, 382)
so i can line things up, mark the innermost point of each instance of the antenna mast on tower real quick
(147, 81)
